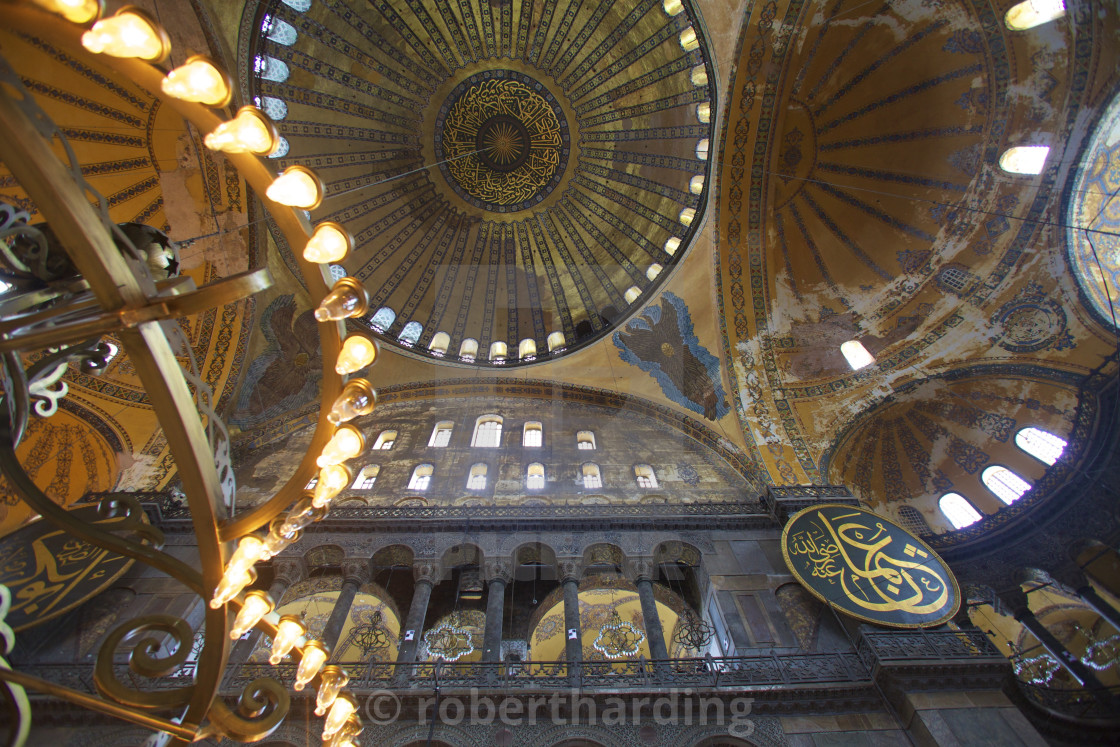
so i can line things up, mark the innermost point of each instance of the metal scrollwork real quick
(261, 708)
(145, 661)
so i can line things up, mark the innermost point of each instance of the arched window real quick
(671, 245)
(632, 294)
(383, 319)
(301, 5)
(498, 351)
(385, 440)
(1042, 445)
(585, 440)
(477, 479)
(591, 476)
(441, 434)
(1031, 13)
(702, 149)
(856, 354)
(672, 7)
(556, 342)
(439, 343)
(911, 519)
(1024, 159)
(421, 477)
(1004, 483)
(653, 271)
(688, 39)
(687, 215)
(410, 334)
(270, 68)
(527, 349)
(282, 148)
(468, 349)
(366, 478)
(279, 31)
(274, 108)
(958, 510)
(704, 112)
(643, 474)
(532, 435)
(696, 184)
(534, 476)
(311, 483)
(699, 76)
(487, 432)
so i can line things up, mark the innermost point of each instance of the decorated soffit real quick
(572, 143)
(860, 197)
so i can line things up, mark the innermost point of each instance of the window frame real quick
(484, 420)
(993, 468)
(421, 480)
(536, 427)
(966, 505)
(443, 426)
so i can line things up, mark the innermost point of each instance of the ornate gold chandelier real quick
(124, 298)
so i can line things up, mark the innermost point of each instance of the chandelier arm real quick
(27, 18)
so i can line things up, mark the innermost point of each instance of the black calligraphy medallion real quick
(869, 568)
(50, 572)
(502, 140)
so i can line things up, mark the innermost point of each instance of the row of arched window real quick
(590, 477)
(487, 434)
(1004, 483)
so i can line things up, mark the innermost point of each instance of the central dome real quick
(517, 177)
(502, 140)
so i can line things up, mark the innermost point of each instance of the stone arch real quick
(324, 556)
(395, 555)
(604, 554)
(463, 553)
(533, 553)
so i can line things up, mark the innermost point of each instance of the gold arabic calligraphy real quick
(873, 572)
(468, 119)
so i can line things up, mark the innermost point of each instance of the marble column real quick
(1095, 601)
(354, 574)
(573, 630)
(425, 575)
(285, 572)
(643, 572)
(497, 576)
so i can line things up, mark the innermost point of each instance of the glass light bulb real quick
(357, 398)
(348, 298)
(297, 187)
(288, 631)
(331, 681)
(314, 656)
(249, 551)
(298, 517)
(276, 541)
(328, 243)
(357, 353)
(332, 479)
(75, 11)
(346, 443)
(233, 581)
(198, 80)
(343, 707)
(130, 33)
(257, 605)
(248, 132)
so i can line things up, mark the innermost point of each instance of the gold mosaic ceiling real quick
(571, 141)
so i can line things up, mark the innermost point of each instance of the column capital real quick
(497, 570)
(290, 570)
(355, 570)
(570, 569)
(426, 571)
(641, 569)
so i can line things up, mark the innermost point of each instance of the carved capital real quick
(426, 571)
(288, 570)
(497, 570)
(641, 569)
(570, 569)
(355, 570)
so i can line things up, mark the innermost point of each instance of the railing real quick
(631, 674)
(939, 645)
(1078, 704)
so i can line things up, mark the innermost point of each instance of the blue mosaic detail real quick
(662, 342)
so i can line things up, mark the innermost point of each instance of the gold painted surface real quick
(510, 122)
(868, 568)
